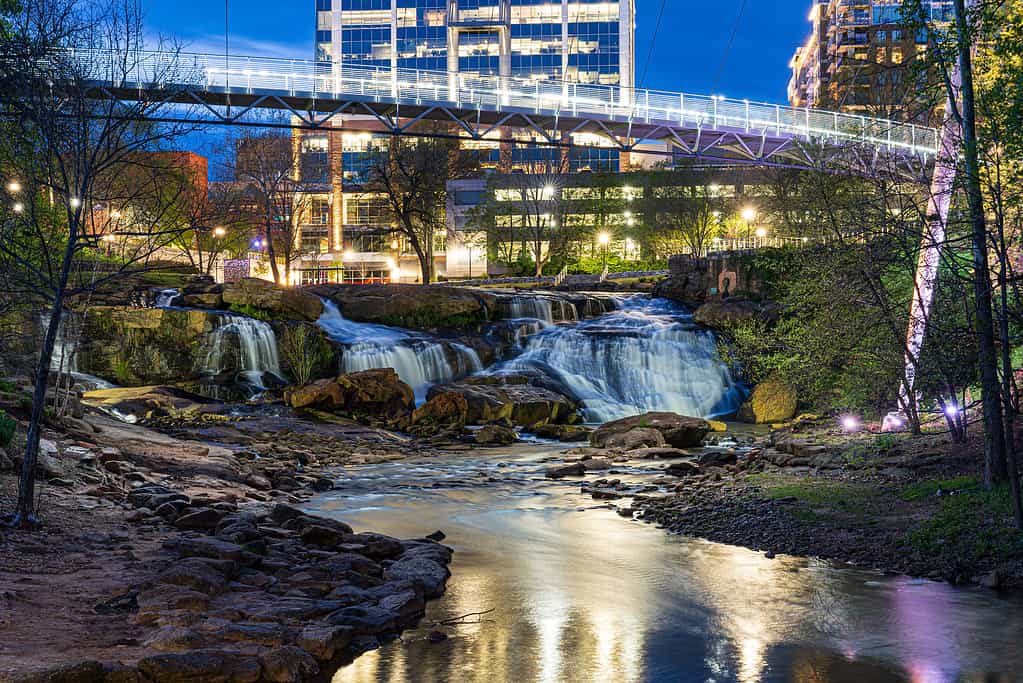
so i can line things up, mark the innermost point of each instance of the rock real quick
(436, 636)
(426, 573)
(523, 405)
(663, 453)
(259, 633)
(210, 300)
(376, 395)
(992, 580)
(77, 672)
(640, 437)
(410, 306)
(366, 619)
(206, 546)
(717, 458)
(592, 464)
(496, 435)
(281, 303)
(288, 664)
(683, 469)
(717, 426)
(321, 536)
(201, 666)
(194, 574)
(566, 433)
(203, 518)
(725, 314)
(687, 283)
(771, 401)
(574, 469)
(176, 639)
(146, 401)
(445, 411)
(324, 642)
(678, 431)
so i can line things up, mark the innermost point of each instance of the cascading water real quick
(166, 298)
(65, 354)
(419, 361)
(549, 310)
(244, 345)
(646, 356)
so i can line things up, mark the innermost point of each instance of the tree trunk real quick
(994, 441)
(272, 256)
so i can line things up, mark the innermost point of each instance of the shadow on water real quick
(582, 594)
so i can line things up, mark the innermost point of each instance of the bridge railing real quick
(294, 77)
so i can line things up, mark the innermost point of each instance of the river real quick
(580, 593)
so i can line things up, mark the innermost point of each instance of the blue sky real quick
(687, 55)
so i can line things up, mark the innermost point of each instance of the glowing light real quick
(18, 207)
(761, 232)
(257, 243)
(391, 264)
(348, 255)
(115, 214)
(219, 232)
(74, 202)
(850, 423)
(394, 245)
(14, 187)
(604, 238)
(952, 410)
(548, 191)
(749, 214)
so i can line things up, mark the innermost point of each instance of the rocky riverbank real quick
(172, 558)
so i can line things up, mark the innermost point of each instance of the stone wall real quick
(694, 281)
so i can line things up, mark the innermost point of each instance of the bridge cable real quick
(653, 41)
(728, 47)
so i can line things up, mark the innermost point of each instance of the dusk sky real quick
(687, 54)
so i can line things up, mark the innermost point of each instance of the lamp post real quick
(604, 239)
(749, 214)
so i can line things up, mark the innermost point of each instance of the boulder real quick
(201, 666)
(496, 435)
(771, 401)
(640, 437)
(324, 642)
(288, 664)
(678, 431)
(425, 572)
(727, 313)
(575, 469)
(75, 672)
(566, 433)
(370, 394)
(445, 411)
(194, 575)
(684, 468)
(146, 401)
(523, 405)
(411, 306)
(281, 303)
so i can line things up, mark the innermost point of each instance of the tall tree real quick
(62, 157)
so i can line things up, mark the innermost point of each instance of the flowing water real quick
(581, 594)
(420, 361)
(64, 359)
(647, 355)
(243, 345)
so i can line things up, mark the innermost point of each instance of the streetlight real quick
(18, 207)
(604, 238)
(219, 232)
(761, 233)
(14, 187)
(75, 202)
(749, 214)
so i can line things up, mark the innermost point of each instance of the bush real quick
(7, 427)
(303, 351)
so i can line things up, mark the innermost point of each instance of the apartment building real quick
(345, 233)
(860, 57)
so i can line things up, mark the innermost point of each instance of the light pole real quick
(749, 214)
(604, 239)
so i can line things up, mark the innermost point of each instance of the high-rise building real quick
(860, 57)
(585, 41)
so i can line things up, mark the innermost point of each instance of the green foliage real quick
(250, 311)
(122, 371)
(973, 527)
(7, 428)
(303, 351)
(929, 487)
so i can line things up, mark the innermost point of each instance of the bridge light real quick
(761, 232)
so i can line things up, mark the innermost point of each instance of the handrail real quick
(306, 78)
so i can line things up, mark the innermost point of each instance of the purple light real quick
(850, 423)
(952, 410)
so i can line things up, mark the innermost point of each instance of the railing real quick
(604, 273)
(293, 77)
(559, 279)
(718, 245)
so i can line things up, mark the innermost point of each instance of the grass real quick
(973, 528)
(927, 488)
(839, 496)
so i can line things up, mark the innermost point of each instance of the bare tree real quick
(684, 219)
(214, 223)
(63, 153)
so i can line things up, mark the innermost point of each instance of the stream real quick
(580, 593)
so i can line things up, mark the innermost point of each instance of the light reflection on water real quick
(581, 594)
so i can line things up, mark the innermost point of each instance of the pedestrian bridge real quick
(235, 89)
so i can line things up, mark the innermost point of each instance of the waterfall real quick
(646, 356)
(546, 309)
(243, 345)
(420, 361)
(165, 298)
(64, 359)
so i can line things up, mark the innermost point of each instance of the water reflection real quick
(580, 594)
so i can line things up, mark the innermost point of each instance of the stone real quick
(201, 666)
(324, 642)
(445, 411)
(206, 546)
(407, 605)
(640, 437)
(203, 518)
(210, 300)
(575, 469)
(194, 574)
(522, 405)
(560, 432)
(324, 393)
(683, 469)
(771, 401)
(428, 574)
(496, 435)
(727, 313)
(663, 453)
(411, 306)
(259, 633)
(717, 458)
(365, 619)
(281, 303)
(321, 536)
(678, 431)
(371, 394)
(175, 639)
(288, 664)
(591, 464)
(76, 672)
